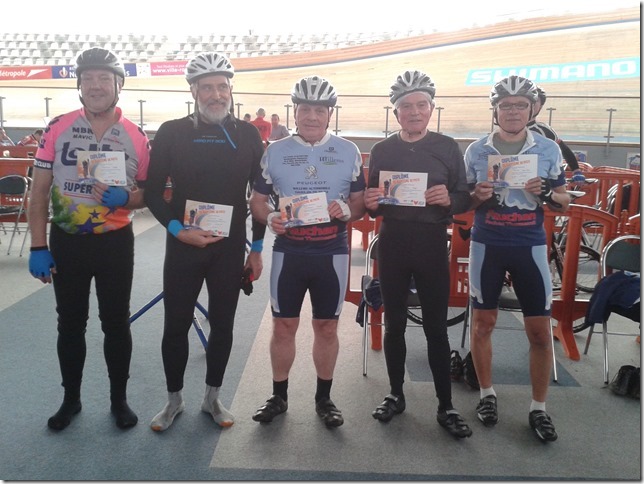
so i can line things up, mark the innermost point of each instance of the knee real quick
(326, 329)
(483, 325)
(283, 331)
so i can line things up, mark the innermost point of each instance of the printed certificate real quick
(403, 188)
(104, 166)
(511, 171)
(208, 216)
(308, 209)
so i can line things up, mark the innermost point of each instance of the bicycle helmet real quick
(98, 58)
(542, 95)
(513, 86)
(207, 64)
(411, 81)
(314, 90)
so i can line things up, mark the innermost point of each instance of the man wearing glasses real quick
(508, 236)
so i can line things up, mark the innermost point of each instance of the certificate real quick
(104, 166)
(208, 216)
(308, 209)
(511, 171)
(403, 188)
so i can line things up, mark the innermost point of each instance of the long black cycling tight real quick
(407, 249)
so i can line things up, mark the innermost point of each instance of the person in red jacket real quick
(264, 127)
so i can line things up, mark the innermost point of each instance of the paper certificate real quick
(104, 166)
(208, 216)
(308, 209)
(403, 188)
(511, 171)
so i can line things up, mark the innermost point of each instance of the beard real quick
(214, 113)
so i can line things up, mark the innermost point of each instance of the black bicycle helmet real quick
(98, 58)
(314, 90)
(411, 81)
(207, 64)
(542, 95)
(514, 86)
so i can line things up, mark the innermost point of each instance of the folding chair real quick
(620, 254)
(14, 191)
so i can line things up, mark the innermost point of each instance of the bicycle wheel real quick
(587, 269)
(454, 315)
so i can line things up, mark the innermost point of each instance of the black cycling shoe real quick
(542, 425)
(487, 412)
(454, 424)
(329, 413)
(391, 405)
(271, 409)
(455, 366)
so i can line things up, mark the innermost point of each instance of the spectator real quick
(213, 173)
(278, 131)
(545, 130)
(91, 233)
(412, 242)
(32, 139)
(4, 138)
(508, 236)
(263, 126)
(312, 257)
(247, 117)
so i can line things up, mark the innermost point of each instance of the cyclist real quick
(545, 130)
(508, 236)
(413, 241)
(91, 233)
(315, 257)
(211, 157)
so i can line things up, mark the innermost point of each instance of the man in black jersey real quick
(412, 241)
(545, 130)
(210, 158)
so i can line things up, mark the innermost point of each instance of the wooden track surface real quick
(362, 76)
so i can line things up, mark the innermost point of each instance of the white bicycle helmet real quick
(314, 90)
(411, 81)
(207, 64)
(98, 58)
(514, 86)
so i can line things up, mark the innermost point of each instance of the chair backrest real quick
(621, 253)
(13, 185)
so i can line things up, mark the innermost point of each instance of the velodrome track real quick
(362, 76)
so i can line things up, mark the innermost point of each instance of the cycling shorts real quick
(324, 276)
(529, 276)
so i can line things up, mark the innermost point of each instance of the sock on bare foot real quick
(213, 406)
(165, 417)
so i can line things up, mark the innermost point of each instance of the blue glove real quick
(40, 262)
(115, 197)
(578, 176)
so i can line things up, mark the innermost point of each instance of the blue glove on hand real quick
(115, 197)
(578, 176)
(41, 262)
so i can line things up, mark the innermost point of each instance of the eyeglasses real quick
(517, 106)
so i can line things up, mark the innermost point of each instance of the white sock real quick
(487, 391)
(165, 417)
(537, 405)
(213, 406)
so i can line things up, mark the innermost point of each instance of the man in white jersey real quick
(309, 256)
(508, 236)
(91, 233)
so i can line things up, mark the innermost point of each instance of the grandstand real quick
(588, 64)
(28, 49)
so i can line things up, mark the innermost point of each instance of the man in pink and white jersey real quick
(91, 166)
